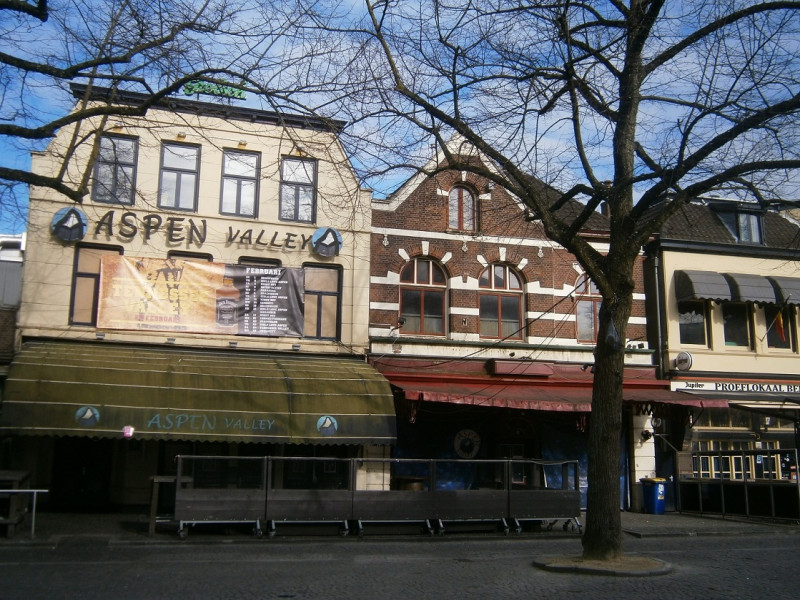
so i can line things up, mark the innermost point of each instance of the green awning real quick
(99, 389)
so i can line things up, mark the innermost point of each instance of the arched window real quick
(461, 209)
(500, 302)
(587, 309)
(422, 290)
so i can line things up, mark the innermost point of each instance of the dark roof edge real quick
(225, 111)
(722, 249)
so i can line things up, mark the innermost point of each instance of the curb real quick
(629, 565)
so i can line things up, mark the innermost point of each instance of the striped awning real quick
(107, 390)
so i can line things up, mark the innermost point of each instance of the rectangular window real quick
(736, 324)
(180, 167)
(115, 170)
(322, 303)
(780, 326)
(500, 316)
(510, 317)
(423, 311)
(743, 226)
(489, 315)
(239, 183)
(86, 283)
(411, 310)
(587, 319)
(298, 190)
(692, 322)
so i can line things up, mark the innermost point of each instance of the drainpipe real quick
(659, 292)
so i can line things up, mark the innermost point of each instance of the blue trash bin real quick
(654, 490)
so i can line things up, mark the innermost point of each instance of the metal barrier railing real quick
(34, 495)
(214, 489)
(760, 483)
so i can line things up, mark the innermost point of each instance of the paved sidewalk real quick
(120, 528)
(690, 524)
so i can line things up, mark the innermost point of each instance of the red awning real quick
(533, 396)
(503, 396)
(524, 385)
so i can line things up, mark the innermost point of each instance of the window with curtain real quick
(461, 209)
(587, 310)
(692, 322)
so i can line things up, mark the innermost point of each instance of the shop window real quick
(115, 170)
(422, 297)
(740, 418)
(461, 209)
(321, 313)
(736, 324)
(239, 183)
(86, 283)
(500, 303)
(587, 310)
(692, 322)
(780, 326)
(298, 190)
(180, 167)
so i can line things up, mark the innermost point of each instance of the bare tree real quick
(136, 45)
(639, 105)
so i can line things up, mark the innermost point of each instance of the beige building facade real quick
(723, 288)
(208, 296)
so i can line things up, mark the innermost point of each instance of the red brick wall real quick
(425, 210)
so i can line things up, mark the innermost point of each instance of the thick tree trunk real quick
(603, 534)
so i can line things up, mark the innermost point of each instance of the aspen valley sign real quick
(128, 225)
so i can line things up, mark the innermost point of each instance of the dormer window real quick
(744, 226)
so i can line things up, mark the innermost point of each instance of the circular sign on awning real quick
(87, 416)
(327, 425)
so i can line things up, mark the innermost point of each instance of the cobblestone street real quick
(745, 561)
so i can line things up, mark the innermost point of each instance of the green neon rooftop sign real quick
(212, 89)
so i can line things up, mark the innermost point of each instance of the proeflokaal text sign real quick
(175, 295)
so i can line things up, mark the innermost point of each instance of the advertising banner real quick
(176, 295)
